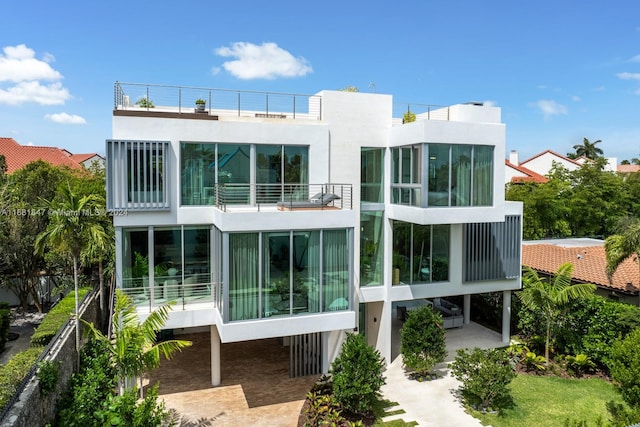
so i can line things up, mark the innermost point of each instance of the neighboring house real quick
(590, 262)
(18, 156)
(539, 166)
(308, 217)
(88, 159)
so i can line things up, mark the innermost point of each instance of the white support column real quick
(506, 317)
(325, 352)
(466, 309)
(215, 356)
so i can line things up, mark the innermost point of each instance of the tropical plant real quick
(423, 341)
(549, 295)
(357, 375)
(485, 376)
(71, 229)
(133, 347)
(201, 101)
(47, 375)
(579, 364)
(625, 368)
(533, 361)
(588, 149)
(621, 246)
(408, 117)
(145, 102)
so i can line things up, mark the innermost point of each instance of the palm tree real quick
(133, 347)
(549, 295)
(621, 246)
(588, 149)
(71, 227)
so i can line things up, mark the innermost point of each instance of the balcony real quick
(282, 197)
(179, 102)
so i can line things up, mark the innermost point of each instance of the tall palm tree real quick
(71, 227)
(588, 149)
(548, 295)
(133, 347)
(621, 246)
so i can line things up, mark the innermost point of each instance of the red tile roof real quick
(18, 156)
(531, 176)
(81, 158)
(560, 156)
(628, 168)
(589, 265)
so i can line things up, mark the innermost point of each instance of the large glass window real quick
(438, 175)
(335, 260)
(407, 175)
(420, 253)
(301, 272)
(135, 262)
(202, 168)
(483, 176)
(167, 257)
(371, 175)
(243, 276)
(279, 172)
(371, 248)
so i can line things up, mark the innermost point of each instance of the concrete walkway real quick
(435, 403)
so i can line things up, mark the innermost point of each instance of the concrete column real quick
(506, 317)
(466, 309)
(215, 356)
(326, 364)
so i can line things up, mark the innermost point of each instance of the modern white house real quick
(306, 216)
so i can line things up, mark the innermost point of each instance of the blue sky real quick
(560, 70)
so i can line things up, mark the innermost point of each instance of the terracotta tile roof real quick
(589, 265)
(565, 158)
(18, 156)
(531, 176)
(81, 158)
(628, 168)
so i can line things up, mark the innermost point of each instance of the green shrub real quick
(124, 410)
(357, 375)
(579, 364)
(485, 376)
(47, 374)
(625, 368)
(88, 388)
(56, 318)
(622, 415)
(534, 362)
(12, 374)
(423, 342)
(323, 409)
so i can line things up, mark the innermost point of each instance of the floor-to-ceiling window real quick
(205, 165)
(371, 248)
(407, 175)
(287, 273)
(281, 171)
(420, 253)
(372, 175)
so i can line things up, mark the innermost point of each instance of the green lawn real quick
(549, 401)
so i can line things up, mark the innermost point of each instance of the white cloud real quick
(64, 118)
(635, 58)
(52, 94)
(489, 103)
(24, 78)
(549, 108)
(576, 98)
(628, 76)
(266, 61)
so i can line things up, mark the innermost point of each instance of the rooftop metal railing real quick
(421, 111)
(182, 99)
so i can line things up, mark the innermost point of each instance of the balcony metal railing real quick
(285, 196)
(161, 292)
(220, 102)
(422, 111)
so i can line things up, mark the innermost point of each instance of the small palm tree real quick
(619, 247)
(550, 295)
(133, 346)
(588, 149)
(71, 228)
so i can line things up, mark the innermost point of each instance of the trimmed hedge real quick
(56, 318)
(5, 323)
(12, 374)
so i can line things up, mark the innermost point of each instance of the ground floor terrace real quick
(255, 388)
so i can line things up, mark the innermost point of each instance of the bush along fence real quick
(46, 367)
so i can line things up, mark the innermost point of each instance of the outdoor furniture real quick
(317, 201)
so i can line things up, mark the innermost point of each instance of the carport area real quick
(255, 391)
(468, 336)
